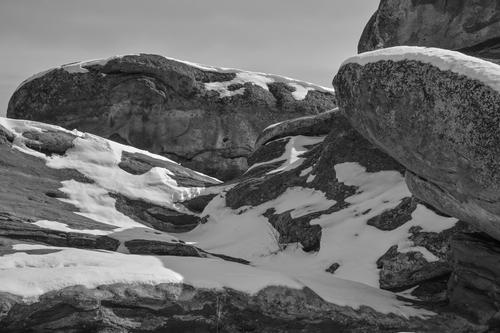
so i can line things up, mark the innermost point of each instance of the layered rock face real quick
(203, 117)
(469, 26)
(436, 112)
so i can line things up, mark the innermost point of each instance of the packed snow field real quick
(243, 233)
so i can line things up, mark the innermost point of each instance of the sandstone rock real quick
(205, 118)
(441, 125)
(469, 26)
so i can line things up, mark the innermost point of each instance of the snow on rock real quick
(53, 225)
(242, 77)
(346, 238)
(247, 234)
(74, 67)
(32, 275)
(262, 80)
(446, 60)
(242, 233)
(295, 147)
(98, 159)
(81, 67)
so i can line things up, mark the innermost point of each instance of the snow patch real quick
(64, 227)
(300, 92)
(262, 80)
(295, 147)
(33, 275)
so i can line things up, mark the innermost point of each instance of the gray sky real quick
(303, 39)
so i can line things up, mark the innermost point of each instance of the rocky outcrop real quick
(309, 125)
(474, 287)
(468, 26)
(404, 270)
(99, 238)
(441, 124)
(203, 117)
(183, 308)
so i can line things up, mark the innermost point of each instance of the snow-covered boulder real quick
(206, 118)
(469, 26)
(307, 186)
(436, 112)
(86, 238)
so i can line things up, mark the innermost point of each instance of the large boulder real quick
(470, 26)
(206, 118)
(436, 112)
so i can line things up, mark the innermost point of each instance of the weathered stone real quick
(469, 26)
(15, 227)
(309, 126)
(140, 246)
(400, 271)
(138, 164)
(157, 217)
(296, 230)
(29, 190)
(442, 126)
(183, 308)
(198, 203)
(332, 268)
(164, 106)
(269, 151)
(5, 135)
(474, 287)
(49, 142)
(396, 217)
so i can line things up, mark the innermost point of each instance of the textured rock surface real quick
(190, 114)
(442, 126)
(343, 144)
(469, 26)
(475, 283)
(403, 270)
(182, 308)
(309, 125)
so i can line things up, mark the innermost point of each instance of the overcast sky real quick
(303, 39)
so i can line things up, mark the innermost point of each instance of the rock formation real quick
(468, 26)
(435, 111)
(94, 230)
(205, 118)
